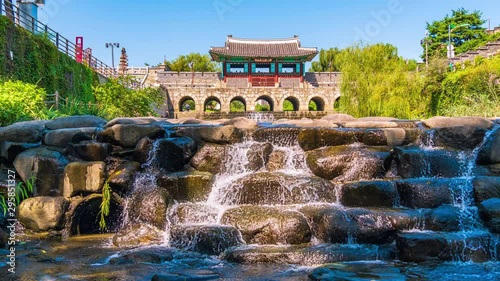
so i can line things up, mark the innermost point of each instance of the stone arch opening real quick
(336, 105)
(212, 104)
(291, 104)
(237, 104)
(85, 218)
(187, 104)
(316, 104)
(264, 103)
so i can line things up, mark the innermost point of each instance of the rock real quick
(210, 158)
(10, 150)
(444, 122)
(26, 132)
(258, 155)
(199, 275)
(486, 188)
(490, 152)
(347, 163)
(149, 205)
(138, 235)
(425, 193)
(205, 239)
(128, 135)
(378, 119)
(170, 154)
(306, 123)
(46, 166)
(443, 218)
(4, 238)
(242, 123)
(354, 271)
(62, 137)
(192, 213)
(412, 136)
(370, 124)
(276, 161)
(436, 246)
(42, 213)
(122, 177)
(338, 118)
(83, 215)
(374, 226)
(89, 150)
(133, 121)
(192, 186)
(268, 225)
(390, 137)
(213, 134)
(368, 194)
(459, 137)
(75, 122)
(83, 177)
(277, 136)
(149, 255)
(489, 210)
(308, 256)
(277, 188)
(313, 138)
(413, 162)
(329, 224)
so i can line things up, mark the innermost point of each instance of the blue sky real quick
(153, 29)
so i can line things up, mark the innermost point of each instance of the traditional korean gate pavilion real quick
(265, 63)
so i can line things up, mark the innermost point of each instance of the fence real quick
(64, 45)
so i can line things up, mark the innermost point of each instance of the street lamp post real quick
(452, 27)
(112, 46)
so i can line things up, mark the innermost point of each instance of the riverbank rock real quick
(79, 121)
(384, 137)
(193, 213)
(459, 137)
(43, 213)
(10, 150)
(313, 138)
(61, 137)
(26, 132)
(89, 150)
(192, 186)
(371, 124)
(486, 188)
(338, 118)
(368, 194)
(210, 158)
(353, 271)
(268, 225)
(83, 177)
(149, 205)
(277, 189)
(443, 218)
(213, 134)
(122, 177)
(347, 163)
(489, 210)
(280, 135)
(128, 135)
(490, 152)
(425, 193)
(138, 235)
(205, 239)
(170, 154)
(47, 168)
(445, 122)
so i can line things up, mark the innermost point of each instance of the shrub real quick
(20, 102)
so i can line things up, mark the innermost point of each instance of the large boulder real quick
(192, 186)
(148, 205)
(445, 122)
(134, 121)
(306, 123)
(242, 123)
(443, 218)
(89, 150)
(138, 235)
(268, 225)
(43, 213)
(329, 224)
(170, 154)
(486, 188)
(388, 136)
(425, 193)
(83, 177)
(276, 161)
(46, 166)
(414, 162)
(278, 136)
(258, 156)
(193, 213)
(490, 152)
(353, 271)
(80, 121)
(29, 131)
(122, 177)
(128, 135)
(459, 137)
(206, 239)
(312, 138)
(489, 210)
(338, 118)
(10, 150)
(212, 134)
(210, 158)
(277, 189)
(368, 194)
(347, 163)
(62, 137)
(370, 124)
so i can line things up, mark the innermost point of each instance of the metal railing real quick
(64, 45)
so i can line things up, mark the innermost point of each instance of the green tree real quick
(199, 62)
(327, 61)
(118, 100)
(466, 34)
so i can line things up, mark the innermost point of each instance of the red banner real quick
(79, 49)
